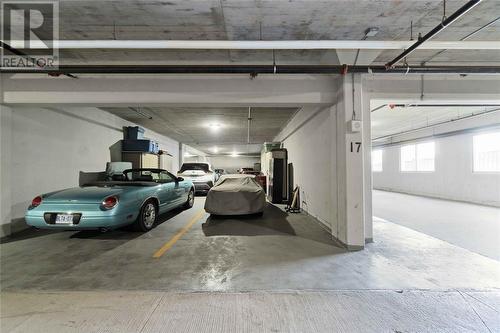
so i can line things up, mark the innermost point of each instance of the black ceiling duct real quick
(257, 69)
(443, 25)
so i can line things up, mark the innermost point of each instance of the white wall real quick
(5, 183)
(232, 164)
(157, 89)
(308, 138)
(50, 146)
(453, 177)
(331, 174)
(189, 154)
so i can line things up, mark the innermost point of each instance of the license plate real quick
(64, 219)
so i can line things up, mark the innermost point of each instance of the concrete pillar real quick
(5, 163)
(350, 168)
(181, 154)
(367, 164)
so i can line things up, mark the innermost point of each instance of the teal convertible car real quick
(136, 197)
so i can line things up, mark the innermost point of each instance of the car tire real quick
(147, 216)
(190, 200)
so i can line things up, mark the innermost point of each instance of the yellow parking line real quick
(178, 235)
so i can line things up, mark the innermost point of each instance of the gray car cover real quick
(235, 195)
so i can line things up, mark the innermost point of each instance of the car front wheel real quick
(190, 200)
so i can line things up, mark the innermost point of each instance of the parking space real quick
(249, 166)
(280, 251)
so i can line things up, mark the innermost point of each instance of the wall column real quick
(367, 163)
(350, 168)
(182, 150)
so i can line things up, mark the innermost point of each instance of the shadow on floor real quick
(275, 222)
(27, 234)
(125, 233)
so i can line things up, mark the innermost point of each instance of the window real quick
(194, 166)
(425, 156)
(486, 149)
(419, 157)
(377, 160)
(408, 161)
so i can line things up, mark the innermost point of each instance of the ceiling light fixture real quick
(214, 126)
(234, 154)
(215, 149)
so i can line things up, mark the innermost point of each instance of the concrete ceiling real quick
(267, 20)
(194, 125)
(388, 121)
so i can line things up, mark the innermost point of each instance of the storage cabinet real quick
(277, 181)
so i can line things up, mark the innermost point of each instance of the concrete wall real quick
(453, 177)
(235, 90)
(231, 164)
(308, 138)
(5, 183)
(329, 160)
(50, 146)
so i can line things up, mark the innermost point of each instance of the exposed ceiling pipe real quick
(379, 107)
(411, 105)
(17, 52)
(258, 69)
(445, 23)
(462, 39)
(437, 124)
(259, 44)
(440, 135)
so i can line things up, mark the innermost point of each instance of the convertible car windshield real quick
(142, 175)
(137, 177)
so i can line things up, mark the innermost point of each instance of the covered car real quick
(236, 195)
(259, 177)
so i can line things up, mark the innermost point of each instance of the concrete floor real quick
(473, 227)
(279, 273)
(328, 311)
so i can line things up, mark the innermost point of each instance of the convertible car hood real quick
(90, 194)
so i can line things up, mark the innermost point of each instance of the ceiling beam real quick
(260, 44)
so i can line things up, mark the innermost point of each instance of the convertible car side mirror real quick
(180, 179)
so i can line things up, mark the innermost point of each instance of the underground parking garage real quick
(227, 166)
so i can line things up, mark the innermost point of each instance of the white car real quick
(200, 174)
